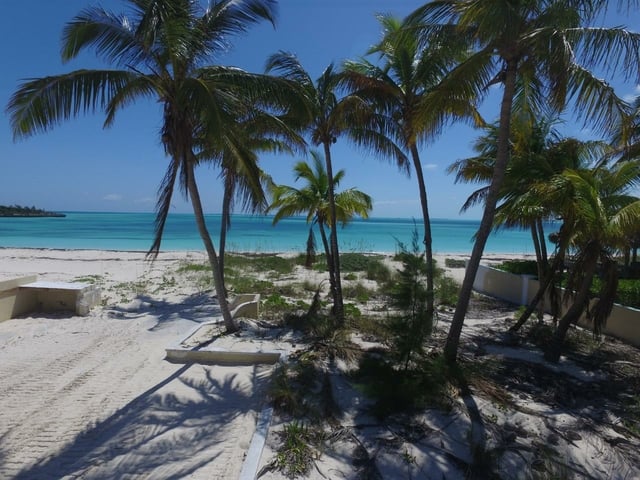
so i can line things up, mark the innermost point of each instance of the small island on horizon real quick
(19, 211)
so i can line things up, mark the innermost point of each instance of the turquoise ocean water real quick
(134, 231)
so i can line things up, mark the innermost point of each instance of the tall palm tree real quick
(537, 153)
(544, 44)
(398, 90)
(313, 200)
(597, 210)
(159, 49)
(330, 117)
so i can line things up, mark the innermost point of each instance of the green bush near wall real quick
(519, 267)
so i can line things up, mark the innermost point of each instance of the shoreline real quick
(57, 264)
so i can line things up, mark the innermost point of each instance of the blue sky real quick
(81, 166)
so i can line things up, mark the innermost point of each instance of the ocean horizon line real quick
(418, 219)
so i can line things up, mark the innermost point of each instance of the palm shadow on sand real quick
(199, 308)
(160, 433)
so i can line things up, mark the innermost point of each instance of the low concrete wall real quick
(245, 305)
(13, 304)
(24, 295)
(623, 323)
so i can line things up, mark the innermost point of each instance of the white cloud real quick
(430, 166)
(397, 202)
(145, 200)
(112, 197)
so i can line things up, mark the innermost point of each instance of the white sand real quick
(93, 398)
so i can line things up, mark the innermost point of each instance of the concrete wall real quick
(623, 323)
(24, 295)
(13, 304)
(245, 305)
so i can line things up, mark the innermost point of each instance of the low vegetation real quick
(627, 291)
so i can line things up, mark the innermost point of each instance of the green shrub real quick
(276, 303)
(519, 267)
(447, 290)
(414, 323)
(194, 267)
(351, 311)
(351, 276)
(245, 284)
(455, 263)
(358, 292)
(628, 293)
(378, 271)
(357, 262)
(427, 385)
(295, 456)
(370, 326)
(261, 263)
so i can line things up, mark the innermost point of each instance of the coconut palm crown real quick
(545, 46)
(329, 115)
(312, 200)
(399, 92)
(160, 49)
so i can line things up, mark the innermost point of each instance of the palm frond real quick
(112, 36)
(612, 49)
(596, 100)
(40, 104)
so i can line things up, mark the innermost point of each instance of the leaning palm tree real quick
(330, 117)
(597, 211)
(537, 153)
(313, 201)
(160, 49)
(398, 90)
(544, 44)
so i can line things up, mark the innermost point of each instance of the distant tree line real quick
(19, 211)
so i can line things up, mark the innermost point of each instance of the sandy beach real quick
(93, 397)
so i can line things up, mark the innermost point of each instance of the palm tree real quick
(543, 44)
(313, 200)
(160, 50)
(398, 91)
(537, 153)
(597, 211)
(242, 178)
(330, 117)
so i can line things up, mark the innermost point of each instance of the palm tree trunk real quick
(225, 222)
(211, 251)
(537, 234)
(536, 245)
(428, 241)
(573, 314)
(543, 242)
(338, 303)
(327, 253)
(502, 158)
(542, 289)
